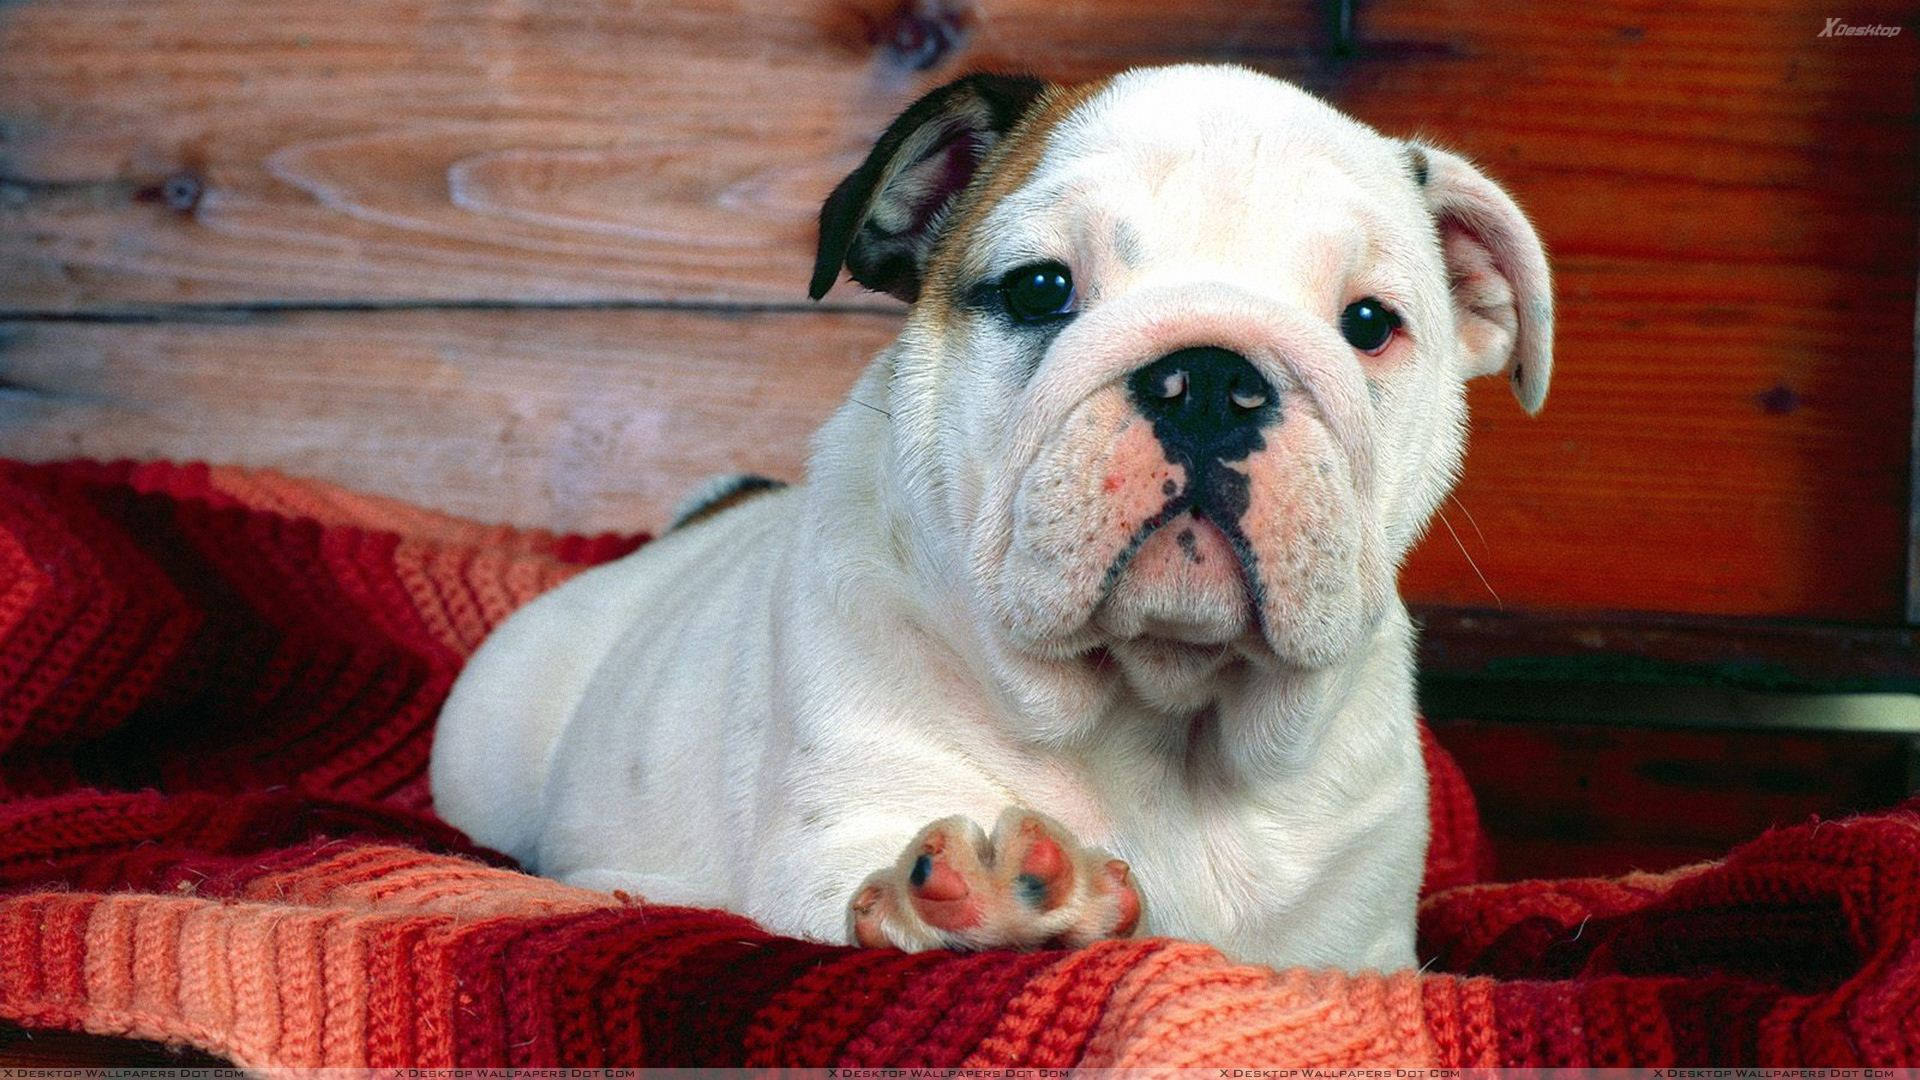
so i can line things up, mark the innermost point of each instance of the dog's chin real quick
(1184, 584)
(1175, 611)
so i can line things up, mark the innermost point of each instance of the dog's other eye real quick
(1038, 292)
(1368, 325)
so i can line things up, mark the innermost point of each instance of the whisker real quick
(1455, 500)
(1497, 602)
(875, 408)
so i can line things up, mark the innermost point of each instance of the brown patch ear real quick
(881, 222)
(1502, 289)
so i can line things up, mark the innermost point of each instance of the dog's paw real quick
(1026, 886)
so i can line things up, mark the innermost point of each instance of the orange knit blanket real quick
(217, 690)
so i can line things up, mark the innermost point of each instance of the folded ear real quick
(1502, 290)
(881, 222)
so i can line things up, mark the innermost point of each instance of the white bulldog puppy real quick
(1084, 622)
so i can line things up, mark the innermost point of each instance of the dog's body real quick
(1129, 566)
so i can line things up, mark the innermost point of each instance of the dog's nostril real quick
(1202, 395)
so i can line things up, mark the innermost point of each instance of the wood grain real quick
(420, 149)
(1729, 201)
(609, 149)
(1749, 465)
(575, 420)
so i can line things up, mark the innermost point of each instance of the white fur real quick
(758, 711)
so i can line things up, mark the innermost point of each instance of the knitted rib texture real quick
(217, 691)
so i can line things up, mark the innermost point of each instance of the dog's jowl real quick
(1084, 620)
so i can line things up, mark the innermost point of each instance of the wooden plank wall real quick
(542, 261)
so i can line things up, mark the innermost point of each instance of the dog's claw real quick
(1120, 875)
(1028, 885)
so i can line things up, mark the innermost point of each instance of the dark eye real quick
(1368, 324)
(1038, 292)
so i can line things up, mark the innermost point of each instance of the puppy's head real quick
(1184, 374)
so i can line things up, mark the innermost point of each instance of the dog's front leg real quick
(1027, 885)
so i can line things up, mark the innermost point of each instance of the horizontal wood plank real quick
(586, 421)
(603, 419)
(1525, 650)
(599, 149)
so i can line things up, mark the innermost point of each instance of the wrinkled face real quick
(1189, 364)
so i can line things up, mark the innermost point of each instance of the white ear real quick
(1502, 290)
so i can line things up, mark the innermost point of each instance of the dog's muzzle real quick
(1199, 400)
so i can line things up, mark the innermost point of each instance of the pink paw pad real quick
(939, 892)
(1046, 874)
(1028, 885)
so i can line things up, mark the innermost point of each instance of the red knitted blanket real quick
(217, 690)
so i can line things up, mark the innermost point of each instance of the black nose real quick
(1204, 402)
